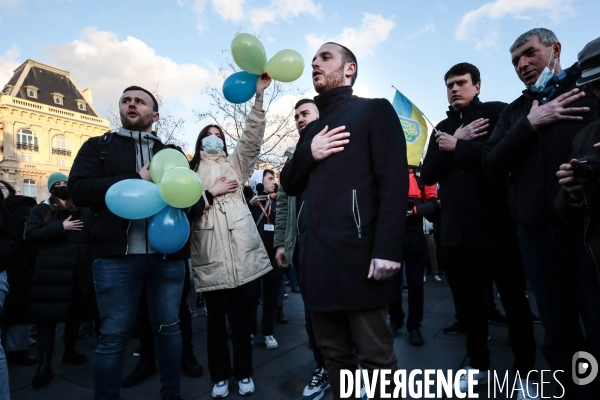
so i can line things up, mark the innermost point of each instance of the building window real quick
(27, 157)
(29, 188)
(61, 162)
(31, 91)
(61, 146)
(27, 140)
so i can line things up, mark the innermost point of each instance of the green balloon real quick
(285, 66)
(249, 53)
(180, 187)
(165, 160)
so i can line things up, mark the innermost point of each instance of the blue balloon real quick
(239, 87)
(169, 230)
(134, 199)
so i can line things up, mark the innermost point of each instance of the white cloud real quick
(279, 10)
(229, 10)
(373, 30)
(108, 65)
(477, 21)
(9, 61)
(429, 28)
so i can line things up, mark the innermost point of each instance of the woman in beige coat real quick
(227, 251)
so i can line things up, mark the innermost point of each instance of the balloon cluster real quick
(178, 187)
(249, 54)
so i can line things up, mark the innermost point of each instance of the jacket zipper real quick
(356, 213)
(298, 219)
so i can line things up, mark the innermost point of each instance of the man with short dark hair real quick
(478, 236)
(286, 235)
(124, 261)
(351, 217)
(533, 137)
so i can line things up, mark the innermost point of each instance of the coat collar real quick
(333, 99)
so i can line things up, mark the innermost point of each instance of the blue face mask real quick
(544, 77)
(212, 144)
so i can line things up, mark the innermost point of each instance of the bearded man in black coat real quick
(352, 195)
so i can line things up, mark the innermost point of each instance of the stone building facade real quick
(44, 120)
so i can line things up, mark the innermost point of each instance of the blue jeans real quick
(566, 288)
(119, 282)
(4, 388)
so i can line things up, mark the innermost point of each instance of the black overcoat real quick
(474, 204)
(62, 273)
(351, 206)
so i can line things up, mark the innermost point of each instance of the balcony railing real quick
(61, 152)
(27, 146)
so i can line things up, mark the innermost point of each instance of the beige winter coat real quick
(227, 250)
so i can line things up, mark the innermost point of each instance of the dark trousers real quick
(147, 349)
(219, 360)
(565, 284)
(415, 261)
(271, 285)
(469, 270)
(350, 338)
(312, 342)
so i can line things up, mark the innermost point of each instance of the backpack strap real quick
(104, 142)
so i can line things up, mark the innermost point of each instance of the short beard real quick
(332, 80)
(143, 123)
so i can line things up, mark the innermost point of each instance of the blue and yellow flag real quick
(414, 127)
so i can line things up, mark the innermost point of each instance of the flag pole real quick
(424, 116)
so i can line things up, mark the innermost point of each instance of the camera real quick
(586, 171)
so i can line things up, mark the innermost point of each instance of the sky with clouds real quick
(178, 45)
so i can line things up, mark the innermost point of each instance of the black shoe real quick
(139, 374)
(535, 319)
(190, 366)
(455, 328)
(72, 356)
(22, 357)
(44, 373)
(280, 316)
(496, 318)
(395, 328)
(415, 338)
(172, 397)
(296, 289)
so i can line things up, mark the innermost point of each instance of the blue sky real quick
(177, 45)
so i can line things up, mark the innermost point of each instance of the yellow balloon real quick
(165, 160)
(249, 53)
(285, 66)
(180, 187)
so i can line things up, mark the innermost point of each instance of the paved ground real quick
(281, 373)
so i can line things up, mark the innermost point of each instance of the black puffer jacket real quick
(532, 157)
(19, 264)
(62, 272)
(95, 169)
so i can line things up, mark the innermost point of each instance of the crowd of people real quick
(511, 190)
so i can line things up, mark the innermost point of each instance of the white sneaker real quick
(246, 387)
(424, 278)
(220, 390)
(437, 278)
(527, 390)
(271, 342)
(481, 377)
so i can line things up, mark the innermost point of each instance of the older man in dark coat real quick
(352, 204)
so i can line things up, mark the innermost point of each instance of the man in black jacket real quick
(351, 216)
(478, 235)
(533, 137)
(124, 261)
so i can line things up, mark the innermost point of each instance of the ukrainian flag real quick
(414, 127)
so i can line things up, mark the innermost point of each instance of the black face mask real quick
(61, 192)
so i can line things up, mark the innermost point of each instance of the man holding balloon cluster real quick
(112, 175)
